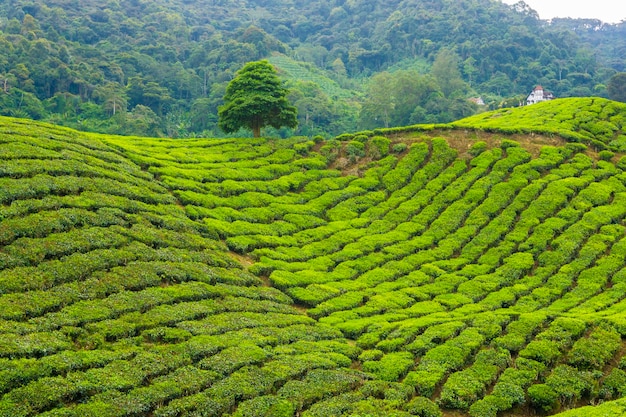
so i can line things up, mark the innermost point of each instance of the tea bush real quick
(417, 279)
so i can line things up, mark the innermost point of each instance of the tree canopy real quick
(617, 87)
(256, 98)
(100, 65)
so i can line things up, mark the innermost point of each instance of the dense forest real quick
(160, 68)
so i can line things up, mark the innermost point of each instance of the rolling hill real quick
(473, 269)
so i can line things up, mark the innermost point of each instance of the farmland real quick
(456, 270)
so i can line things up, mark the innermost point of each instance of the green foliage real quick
(390, 367)
(171, 83)
(598, 126)
(543, 397)
(614, 385)
(419, 281)
(606, 155)
(255, 98)
(616, 87)
(379, 147)
(407, 97)
(478, 148)
(506, 144)
(466, 387)
(399, 147)
(423, 407)
(265, 406)
(594, 351)
(355, 149)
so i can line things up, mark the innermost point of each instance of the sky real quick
(609, 11)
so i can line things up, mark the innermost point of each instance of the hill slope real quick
(245, 277)
(595, 121)
(113, 302)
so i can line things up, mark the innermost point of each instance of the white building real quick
(477, 100)
(538, 95)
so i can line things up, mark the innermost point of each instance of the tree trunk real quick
(256, 127)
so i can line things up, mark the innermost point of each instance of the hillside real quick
(594, 121)
(389, 273)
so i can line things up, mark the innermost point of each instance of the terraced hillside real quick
(411, 274)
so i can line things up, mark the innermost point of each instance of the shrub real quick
(546, 351)
(606, 155)
(425, 382)
(570, 384)
(614, 385)
(345, 137)
(543, 397)
(576, 147)
(511, 394)
(487, 407)
(465, 387)
(233, 358)
(423, 407)
(507, 143)
(379, 147)
(355, 149)
(390, 367)
(266, 406)
(303, 148)
(399, 147)
(330, 150)
(596, 350)
(334, 406)
(319, 384)
(478, 148)
(371, 355)
(166, 335)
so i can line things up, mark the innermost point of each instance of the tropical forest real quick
(160, 68)
(245, 208)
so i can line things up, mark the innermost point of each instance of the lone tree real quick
(256, 98)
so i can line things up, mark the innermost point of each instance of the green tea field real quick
(476, 269)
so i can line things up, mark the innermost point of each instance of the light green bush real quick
(477, 148)
(543, 397)
(379, 147)
(391, 367)
(355, 149)
(423, 407)
(399, 147)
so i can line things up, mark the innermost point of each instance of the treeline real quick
(160, 68)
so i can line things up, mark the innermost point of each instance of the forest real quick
(160, 68)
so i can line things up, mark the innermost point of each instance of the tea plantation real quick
(423, 271)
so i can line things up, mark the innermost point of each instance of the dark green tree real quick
(256, 98)
(617, 87)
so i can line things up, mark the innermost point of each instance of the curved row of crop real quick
(414, 283)
(447, 274)
(114, 302)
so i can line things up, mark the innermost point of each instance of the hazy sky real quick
(610, 11)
